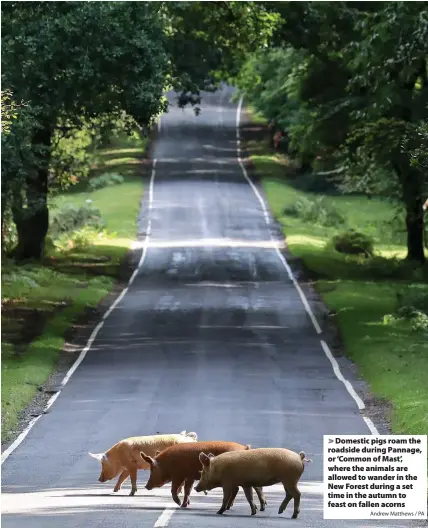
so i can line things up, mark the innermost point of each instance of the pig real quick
(124, 457)
(252, 469)
(180, 465)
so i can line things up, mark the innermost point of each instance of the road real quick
(211, 337)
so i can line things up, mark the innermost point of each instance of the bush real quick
(353, 243)
(416, 296)
(315, 211)
(77, 240)
(73, 154)
(105, 180)
(71, 218)
(379, 267)
(412, 307)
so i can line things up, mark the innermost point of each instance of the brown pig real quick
(124, 457)
(180, 465)
(252, 469)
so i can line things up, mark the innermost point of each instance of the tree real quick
(359, 93)
(390, 67)
(73, 61)
(208, 41)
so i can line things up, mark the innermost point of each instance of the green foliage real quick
(69, 85)
(419, 147)
(316, 211)
(105, 180)
(71, 218)
(201, 53)
(412, 307)
(414, 296)
(9, 111)
(78, 239)
(348, 83)
(72, 156)
(65, 78)
(353, 243)
(379, 267)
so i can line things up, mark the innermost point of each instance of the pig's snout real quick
(196, 488)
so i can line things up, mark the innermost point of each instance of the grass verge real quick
(391, 353)
(40, 302)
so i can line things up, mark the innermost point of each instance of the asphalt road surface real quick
(211, 337)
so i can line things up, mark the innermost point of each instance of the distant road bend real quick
(212, 336)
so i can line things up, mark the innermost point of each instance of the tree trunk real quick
(32, 222)
(411, 185)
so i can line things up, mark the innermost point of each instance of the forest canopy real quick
(346, 82)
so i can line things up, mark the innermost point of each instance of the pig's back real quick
(131, 448)
(259, 467)
(183, 459)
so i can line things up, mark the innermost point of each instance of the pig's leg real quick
(175, 486)
(123, 476)
(296, 495)
(284, 503)
(228, 492)
(133, 475)
(249, 494)
(261, 497)
(232, 498)
(187, 491)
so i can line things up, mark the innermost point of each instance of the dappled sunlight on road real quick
(214, 242)
(66, 501)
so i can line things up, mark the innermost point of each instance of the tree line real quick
(345, 81)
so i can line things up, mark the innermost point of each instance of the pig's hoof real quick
(132, 492)
(294, 516)
(116, 490)
(220, 512)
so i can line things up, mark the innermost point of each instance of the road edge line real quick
(336, 369)
(7, 452)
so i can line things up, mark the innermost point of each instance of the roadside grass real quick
(41, 301)
(359, 292)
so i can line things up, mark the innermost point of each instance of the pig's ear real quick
(147, 458)
(204, 459)
(183, 433)
(157, 452)
(98, 456)
(211, 455)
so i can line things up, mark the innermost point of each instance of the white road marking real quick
(245, 327)
(340, 377)
(336, 369)
(5, 455)
(164, 518)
